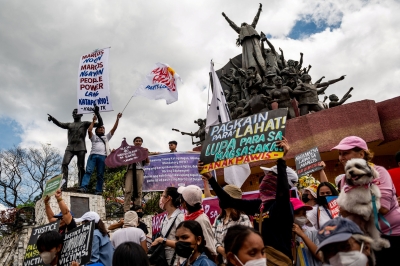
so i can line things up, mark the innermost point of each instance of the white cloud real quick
(42, 41)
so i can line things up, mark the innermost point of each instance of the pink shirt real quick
(389, 201)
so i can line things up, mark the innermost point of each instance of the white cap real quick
(293, 178)
(89, 216)
(191, 194)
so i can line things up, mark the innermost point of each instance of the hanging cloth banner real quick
(160, 83)
(93, 82)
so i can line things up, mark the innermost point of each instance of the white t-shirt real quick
(312, 216)
(128, 234)
(98, 146)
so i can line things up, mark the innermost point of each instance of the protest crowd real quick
(283, 226)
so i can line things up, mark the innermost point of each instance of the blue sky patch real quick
(306, 27)
(10, 131)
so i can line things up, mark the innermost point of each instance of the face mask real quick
(305, 198)
(322, 200)
(257, 262)
(300, 221)
(183, 249)
(352, 258)
(140, 214)
(161, 204)
(47, 256)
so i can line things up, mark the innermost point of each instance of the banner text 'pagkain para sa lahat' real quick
(244, 140)
(93, 82)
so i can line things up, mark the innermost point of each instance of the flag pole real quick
(127, 104)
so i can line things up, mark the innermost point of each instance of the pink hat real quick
(351, 142)
(298, 204)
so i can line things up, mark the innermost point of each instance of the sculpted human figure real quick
(249, 40)
(76, 142)
(282, 95)
(269, 83)
(240, 76)
(253, 80)
(270, 55)
(307, 94)
(256, 104)
(334, 100)
(233, 82)
(201, 133)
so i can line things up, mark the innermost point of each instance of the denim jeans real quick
(98, 161)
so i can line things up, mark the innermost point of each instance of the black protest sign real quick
(77, 245)
(308, 162)
(244, 140)
(32, 257)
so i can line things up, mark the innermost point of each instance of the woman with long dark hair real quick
(102, 249)
(320, 214)
(228, 217)
(170, 202)
(192, 245)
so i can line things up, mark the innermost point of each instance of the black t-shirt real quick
(143, 226)
(69, 227)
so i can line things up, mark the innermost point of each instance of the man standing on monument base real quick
(76, 142)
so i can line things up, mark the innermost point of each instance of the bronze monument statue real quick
(201, 133)
(283, 95)
(249, 39)
(307, 93)
(334, 100)
(76, 142)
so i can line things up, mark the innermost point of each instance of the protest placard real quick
(125, 155)
(244, 140)
(308, 162)
(172, 170)
(52, 185)
(77, 245)
(210, 206)
(32, 257)
(333, 205)
(93, 82)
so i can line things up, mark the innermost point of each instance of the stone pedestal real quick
(78, 203)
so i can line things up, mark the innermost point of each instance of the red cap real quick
(298, 204)
(351, 142)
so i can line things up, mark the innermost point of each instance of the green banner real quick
(52, 185)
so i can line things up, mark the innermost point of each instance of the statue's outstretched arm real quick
(231, 23)
(319, 81)
(270, 46)
(255, 20)
(319, 85)
(347, 94)
(322, 90)
(301, 61)
(97, 113)
(57, 123)
(282, 58)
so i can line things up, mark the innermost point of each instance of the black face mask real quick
(321, 200)
(183, 249)
(305, 198)
(140, 214)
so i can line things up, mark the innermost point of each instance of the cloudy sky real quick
(41, 43)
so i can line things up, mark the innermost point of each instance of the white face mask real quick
(47, 256)
(300, 221)
(352, 258)
(257, 262)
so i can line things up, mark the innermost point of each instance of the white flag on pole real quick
(160, 83)
(216, 114)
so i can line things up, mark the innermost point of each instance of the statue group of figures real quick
(266, 81)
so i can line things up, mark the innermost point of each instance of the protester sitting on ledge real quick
(67, 223)
(276, 213)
